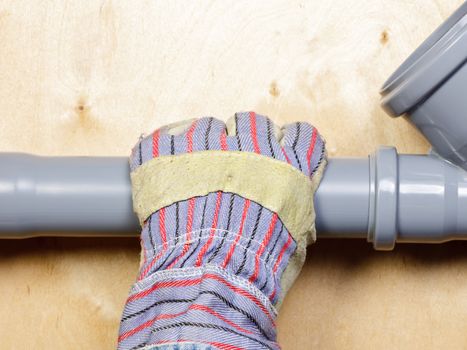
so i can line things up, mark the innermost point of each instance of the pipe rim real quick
(438, 57)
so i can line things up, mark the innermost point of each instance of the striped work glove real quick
(227, 212)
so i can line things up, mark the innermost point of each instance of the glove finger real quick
(207, 133)
(187, 136)
(303, 146)
(255, 133)
(168, 139)
(200, 135)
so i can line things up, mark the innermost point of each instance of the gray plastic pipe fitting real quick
(430, 89)
(389, 198)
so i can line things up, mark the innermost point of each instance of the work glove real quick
(226, 214)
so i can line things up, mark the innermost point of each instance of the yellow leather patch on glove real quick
(272, 183)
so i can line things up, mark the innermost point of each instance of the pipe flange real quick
(382, 228)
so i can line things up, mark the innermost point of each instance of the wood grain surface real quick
(87, 77)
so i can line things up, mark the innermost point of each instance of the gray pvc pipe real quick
(342, 199)
(64, 196)
(387, 198)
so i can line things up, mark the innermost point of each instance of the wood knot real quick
(384, 38)
(274, 90)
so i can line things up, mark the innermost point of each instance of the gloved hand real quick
(226, 213)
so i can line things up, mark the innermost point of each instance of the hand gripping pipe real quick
(386, 197)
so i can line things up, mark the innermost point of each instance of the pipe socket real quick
(391, 198)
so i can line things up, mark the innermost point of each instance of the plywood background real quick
(87, 77)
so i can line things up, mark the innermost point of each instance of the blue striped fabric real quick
(212, 264)
(181, 346)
